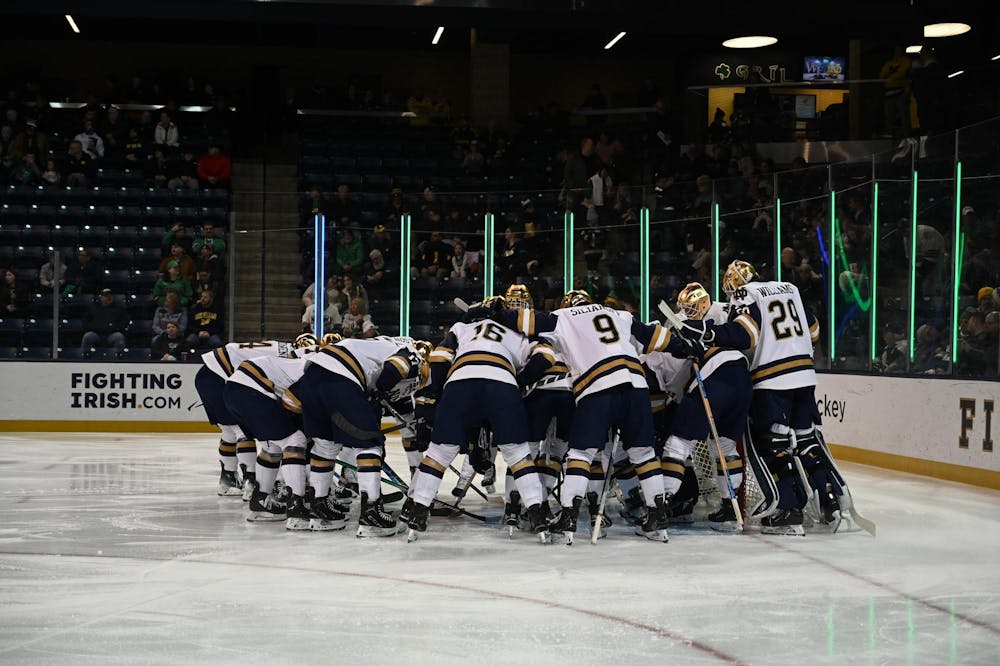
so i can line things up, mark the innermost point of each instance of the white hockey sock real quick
(370, 471)
(577, 475)
(521, 466)
(647, 468)
(349, 456)
(733, 463)
(324, 452)
(432, 467)
(246, 453)
(267, 466)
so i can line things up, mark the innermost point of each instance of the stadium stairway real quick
(259, 206)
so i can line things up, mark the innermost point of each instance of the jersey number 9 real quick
(603, 324)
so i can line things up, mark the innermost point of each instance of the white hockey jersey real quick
(716, 356)
(270, 375)
(672, 374)
(782, 337)
(361, 360)
(482, 350)
(224, 360)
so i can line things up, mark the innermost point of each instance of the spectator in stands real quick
(358, 323)
(182, 171)
(25, 171)
(13, 296)
(169, 345)
(343, 209)
(314, 203)
(435, 258)
(83, 276)
(513, 260)
(172, 282)
(51, 175)
(608, 149)
(474, 160)
(331, 317)
(104, 323)
(46, 275)
(892, 358)
(592, 240)
(115, 133)
(460, 267)
(170, 311)
(397, 206)
(350, 253)
(176, 234)
(622, 207)
(7, 154)
(157, 169)
(90, 141)
(207, 238)
(187, 265)
(348, 291)
(219, 119)
(375, 273)
(135, 152)
(430, 209)
(206, 329)
(309, 295)
(718, 129)
(78, 165)
(382, 242)
(579, 167)
(165, 133)
(32, 142)
(977, 348)
(214, 168)
(896, 94)
(462, 137)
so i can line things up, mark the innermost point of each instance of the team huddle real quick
(580, 402)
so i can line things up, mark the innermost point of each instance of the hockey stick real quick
(596, 532)
(718, 444)
(354, 431)
(861, 521)
(461, 305)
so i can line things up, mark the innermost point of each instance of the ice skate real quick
(406, 511)
(565, 525)
(490, 479)
(417, 522)
(539, 523)
(326, 515)
(512, 514)
(830, 507)
(298, 516)
(374, 521)
(229, 486)
(784, 522)
(655, 526)
(344, 495)
(248, 480)
(265, 507)
(681, 512)
(633, 510)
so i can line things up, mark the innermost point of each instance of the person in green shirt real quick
(173, 282)
(208, 238)
(350, 253)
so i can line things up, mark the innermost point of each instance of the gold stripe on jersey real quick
(253, 371)
(606, 368)
(482, 358)
(441, 355)
(751, 327)
(401, 364)
(347, 359)
(526, 322)
(290, 402)
(814, 331)
(557, 369)
(782, 367)
(546, 351)
(223, 356)
(659, 340)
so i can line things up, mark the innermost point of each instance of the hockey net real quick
(703, 456)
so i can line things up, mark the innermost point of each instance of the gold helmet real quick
(330, 339)
(694, 301)
(518, 297)
(737, 274)
(495, 302)
(304, 340)
(575, 297)
(423, 348)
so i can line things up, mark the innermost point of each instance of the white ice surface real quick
(114, 549)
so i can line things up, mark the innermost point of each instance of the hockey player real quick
(234, 446)
(610, 391)
(475, 368)
(727, 383)
(770, 319)
(341, 395)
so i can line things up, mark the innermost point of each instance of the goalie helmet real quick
(304, 340)
(518, 297)
(498, 302)
(423, 348)
(330, 339)
(575, 297)
(738, 273)
(694, 301)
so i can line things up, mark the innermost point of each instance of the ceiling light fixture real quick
(996, 57)
(914, 49)
(614, 41)
(954, 74)
(72, 24)
(437, 35)
(750, 42)
(946, 29)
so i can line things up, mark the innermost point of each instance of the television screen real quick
(805, 106)
(823, 68)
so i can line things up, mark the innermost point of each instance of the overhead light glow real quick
(72, 24)
(996, 57)
(946, 29)
(954, 74)
(750, 42)
(614, 41)
(437, 35)
(914, 49)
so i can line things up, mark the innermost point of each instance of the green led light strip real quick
(958, 262)
(644, 260)
(874, 281)
(715, 252)
(913, 267)
(488, 256)
(404, 276)
(832, 249)
(777, 239)
(568, 251)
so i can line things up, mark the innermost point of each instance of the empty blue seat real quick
(140, 332)
(70, 353)
(36, 353)
(136, 353)
(10, 331)
(9, 352)
(118, 258)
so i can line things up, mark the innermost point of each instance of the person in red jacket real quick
(214, 168)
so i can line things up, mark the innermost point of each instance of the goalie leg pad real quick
(775, 450)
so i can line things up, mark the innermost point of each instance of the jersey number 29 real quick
(779, 313)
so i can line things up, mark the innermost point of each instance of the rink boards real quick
(936, 427)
